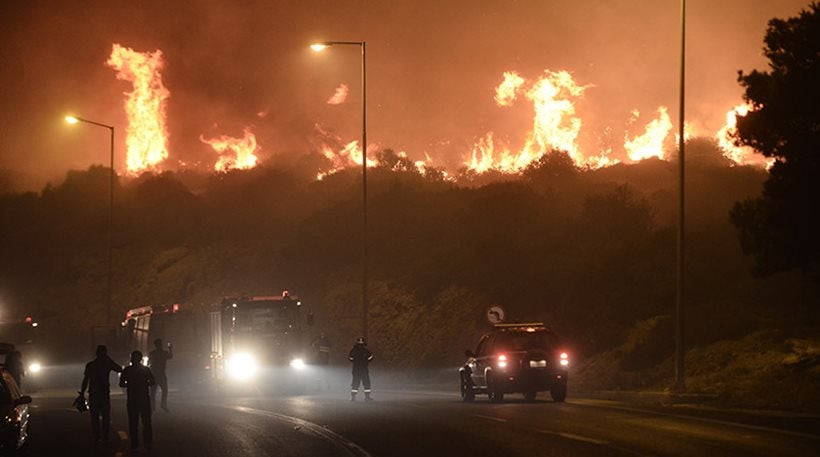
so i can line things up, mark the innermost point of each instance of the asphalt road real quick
(422, 423)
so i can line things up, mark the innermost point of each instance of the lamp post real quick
(75, 120)
(680, 383)
(320, 47)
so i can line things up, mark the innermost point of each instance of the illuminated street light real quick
(320, 46)
(680, 352)
(76, 120)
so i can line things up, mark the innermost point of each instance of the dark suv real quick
(525, 357)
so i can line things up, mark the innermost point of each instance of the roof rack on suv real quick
(520, 324)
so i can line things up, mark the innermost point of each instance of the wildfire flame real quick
(339, 96)
(506, 92)
(147, 135)
(555, 124)
(650, 143)
(243, 151)
(740, 155)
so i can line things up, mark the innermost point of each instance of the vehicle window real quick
(5, 395)
(525, 341)
(13, 389)
(482, 345)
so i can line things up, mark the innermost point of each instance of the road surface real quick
(421, 423)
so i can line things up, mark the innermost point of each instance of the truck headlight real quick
(297, 364)
(241, 366)
(34, 368)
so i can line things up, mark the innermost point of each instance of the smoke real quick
(432, 69)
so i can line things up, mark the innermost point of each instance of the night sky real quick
(432, 70)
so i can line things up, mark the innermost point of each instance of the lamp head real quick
(319, 46)
(71, 119)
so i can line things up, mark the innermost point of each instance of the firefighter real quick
(96, 380)
(137, 379)
(157, 359)
(361, 357)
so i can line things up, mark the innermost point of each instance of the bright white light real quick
(34, 368)
(564, 355)
(145, 360)
(564, 362)
(318, 47)
(297, 364)
(71, 119)
(34, 324)
(242, 366)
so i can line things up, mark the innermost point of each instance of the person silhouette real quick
(137, 379)
(96, 379)
(361, 357)
(157, 360)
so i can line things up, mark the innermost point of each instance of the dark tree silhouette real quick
(780, 228)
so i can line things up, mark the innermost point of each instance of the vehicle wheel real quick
(467, 392)
(558, 392)
(496, 395)
(530, 396)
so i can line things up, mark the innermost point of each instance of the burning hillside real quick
(555, 126)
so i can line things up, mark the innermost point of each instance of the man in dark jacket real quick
(137, 379)
(157, 360)
(361, 357)
(96, 380)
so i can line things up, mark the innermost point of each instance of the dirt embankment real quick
(773, 368)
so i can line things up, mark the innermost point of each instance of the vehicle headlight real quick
(34, 368)
(242, 365)
(297, 364)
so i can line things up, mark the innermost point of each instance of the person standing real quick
(157, 359)
(96, 379)
(137, 379)
(361, 357)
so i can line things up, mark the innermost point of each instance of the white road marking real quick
(575, 437)
(492, 418)
(123, 435)
(344, 444)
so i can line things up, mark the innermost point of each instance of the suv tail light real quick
(564, 359)
(502, 361)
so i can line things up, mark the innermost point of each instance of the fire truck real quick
(187, 330)
(259, 338)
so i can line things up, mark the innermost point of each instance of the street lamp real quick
(320, 47)
(76, 120)
(680, 352)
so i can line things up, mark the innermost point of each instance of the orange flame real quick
(506, 92)
(349, 156)
(555, 124)
(243, 151)
(740, 155)
(147, 135)
(650, 143)
(339, 96)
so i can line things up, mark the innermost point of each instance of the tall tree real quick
(781, 228)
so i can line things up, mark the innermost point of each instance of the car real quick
(14, 410)
(14, 416)
(522, 358)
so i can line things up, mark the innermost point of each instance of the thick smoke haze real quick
(432, 70)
